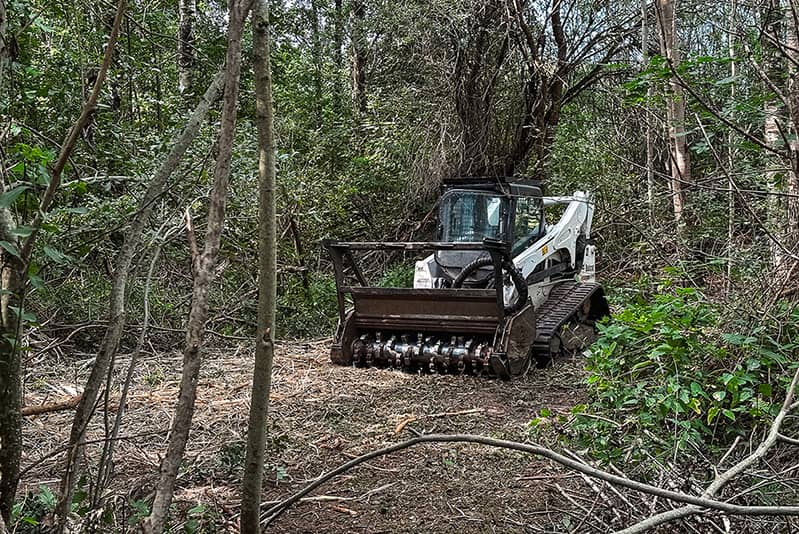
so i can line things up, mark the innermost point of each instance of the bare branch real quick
(725, 477)
(191, 236)
(74, 133)
(698, 503)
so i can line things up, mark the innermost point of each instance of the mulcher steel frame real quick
(425, 311)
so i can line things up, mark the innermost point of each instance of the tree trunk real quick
(10, 362)
(267, 276)
(730, 149)
(650, 145)
(316, 45)
(338, 57)
(679, 157)
(358, 37)
(203, 266)
(792, 185)
(117, 312)
(480, 54)
(186, 56)
(544, 94)
(496, 138)
(548, 114)
(3, 45)
(772, 108)
(10, 369)
(14, 278)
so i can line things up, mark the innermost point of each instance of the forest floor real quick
(321, 416)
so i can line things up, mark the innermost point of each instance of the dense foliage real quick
(378, 102)
(677, 366)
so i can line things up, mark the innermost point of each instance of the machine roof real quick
(506, 185)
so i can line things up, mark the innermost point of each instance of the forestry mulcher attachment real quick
(501, 289)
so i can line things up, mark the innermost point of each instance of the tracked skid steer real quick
(501, 289)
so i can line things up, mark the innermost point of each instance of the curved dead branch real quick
(696, 504)
(725, 477)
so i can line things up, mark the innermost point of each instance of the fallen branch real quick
(344, 510)
(452, 414)
(723, 478)
(700, 502)
(337, 498)
(410, 419)
(48, 407)
(65, 448)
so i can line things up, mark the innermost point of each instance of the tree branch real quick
(722, 479)
(698, 502)
(74, 133)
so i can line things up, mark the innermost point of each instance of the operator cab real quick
(510, 211)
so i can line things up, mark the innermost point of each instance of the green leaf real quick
(11, 248)
(765, 390)
(46, 498)
(712, 413)
(199, 509)
(8, 198)
(18, 169)
(22, 231)
(729, 80)
(79, 187)
(27, 317)
(726, 378)
(771, 355)
(728, 414)
(56, 255)
(642, 365)
(738, 339)
(752, 364)
(579, 408)
(696, 389)
(81, 210)
(36, 281)
(719, 395)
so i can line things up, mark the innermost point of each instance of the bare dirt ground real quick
(321, 416)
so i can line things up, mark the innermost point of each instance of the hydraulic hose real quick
(515, 276)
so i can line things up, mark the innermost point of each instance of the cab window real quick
(526, 223)
(470, 216)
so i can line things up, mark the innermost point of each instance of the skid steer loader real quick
(501, 289)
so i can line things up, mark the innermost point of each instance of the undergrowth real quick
(679, 372)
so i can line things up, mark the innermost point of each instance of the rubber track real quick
(564, 300)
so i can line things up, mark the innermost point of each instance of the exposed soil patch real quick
(322, 416)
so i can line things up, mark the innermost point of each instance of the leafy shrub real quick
(307, 312)
(27, 515)
(400, 275)
(672, 370)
